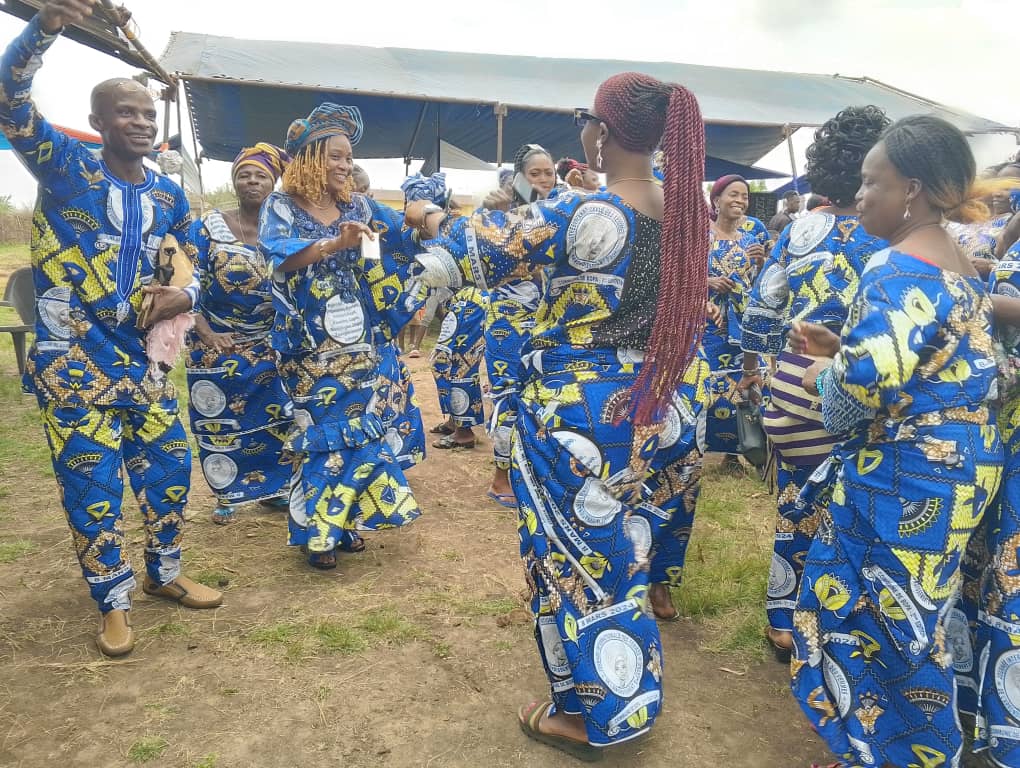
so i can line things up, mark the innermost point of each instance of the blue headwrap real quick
(431, 188)
(326, 120)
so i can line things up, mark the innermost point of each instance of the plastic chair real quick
(20, 294)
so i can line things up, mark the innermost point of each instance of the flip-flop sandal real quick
(352, 543)
(280, 502)
(323, 561)
(448, 443)
(414, 353)
(781, 652)
(507, 500)
(223, 515)
(530, 715)
(442, 429)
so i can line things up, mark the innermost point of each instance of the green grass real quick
(11, 551)
(276, 634)
(442, 650)
(207, 761)
(388, 625)
(460, 605)
(23, 450)
(12, 256)
(214, 579)
(728, 563)
(297, 641)
(147, 749)
(338, 638)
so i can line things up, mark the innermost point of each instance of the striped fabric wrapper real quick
(793, 418)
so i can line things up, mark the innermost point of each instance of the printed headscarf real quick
(269, 157)
(431, 188)
(325, 120)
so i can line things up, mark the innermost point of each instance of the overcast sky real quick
(960, 52)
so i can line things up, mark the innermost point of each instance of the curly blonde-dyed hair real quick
(305, 177)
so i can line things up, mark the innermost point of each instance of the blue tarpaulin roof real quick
(243, 91)
(803, 186)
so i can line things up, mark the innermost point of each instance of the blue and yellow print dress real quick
(457, 357)
(586, 522)
(757, 230)
(996, 658)
(330, 317)
(811, 276)
(240, 412)
(979, 240)
(721, 342)
(508, 324)
(874, 623)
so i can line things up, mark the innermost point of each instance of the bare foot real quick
(500, 485)
(464, 436)
(780, 638)
(568, 726)
(662, 602)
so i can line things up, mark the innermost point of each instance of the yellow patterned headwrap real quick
(266, 156)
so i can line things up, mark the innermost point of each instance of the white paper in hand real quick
(369, 248)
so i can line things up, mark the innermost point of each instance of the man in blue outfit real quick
(99, 223)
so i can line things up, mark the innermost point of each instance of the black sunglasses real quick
(582, 116)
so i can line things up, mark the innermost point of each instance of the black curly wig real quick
(834, 159)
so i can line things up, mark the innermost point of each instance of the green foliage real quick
(147, 749)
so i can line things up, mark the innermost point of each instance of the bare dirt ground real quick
(415, 653)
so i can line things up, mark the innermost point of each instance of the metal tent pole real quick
(414, 138)
(788, 130)
(439, 140)
(500, 110)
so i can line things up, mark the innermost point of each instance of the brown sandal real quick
(529, 717)
(448, 443)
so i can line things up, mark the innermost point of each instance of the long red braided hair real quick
(643, 113)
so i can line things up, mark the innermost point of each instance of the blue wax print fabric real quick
(330, 318)
(240, 412)
(873, 658)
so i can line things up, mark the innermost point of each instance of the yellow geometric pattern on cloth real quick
(577, 294)
(928, 567)
(95, 425)
(75, 373)
(892, 354)
(158, 420)
(336, 502)
(61, 264)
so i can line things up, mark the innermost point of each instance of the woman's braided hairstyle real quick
(643, 113)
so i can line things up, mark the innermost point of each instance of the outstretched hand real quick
(497, 200)
(57, 14)
(813, 340)
(350, 236)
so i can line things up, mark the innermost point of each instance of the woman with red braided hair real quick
(616, 330)
(577, 175)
